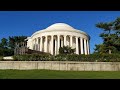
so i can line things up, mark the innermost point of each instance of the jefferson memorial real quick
(58, 35)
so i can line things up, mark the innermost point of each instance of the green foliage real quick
(66, 50)
(16, 39)
(7, 45)
(6, 52)
(103, 49)
(117, 24)
(1, 58)
(105, 26)
(3, 46)
(69, 57)
(110, 36)
(58, 74)
(32, 57)
(4, 43)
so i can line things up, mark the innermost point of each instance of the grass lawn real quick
(48, 74)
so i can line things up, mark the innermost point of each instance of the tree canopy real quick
(7, 45)
(110, 36)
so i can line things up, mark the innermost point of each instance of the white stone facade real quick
(59, 35)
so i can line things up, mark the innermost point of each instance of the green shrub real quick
(66, 50)
(1, 58)
(69, 57)
(32, 57)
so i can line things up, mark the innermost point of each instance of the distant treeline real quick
(7, 45)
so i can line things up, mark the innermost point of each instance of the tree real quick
(4, 43)
(107, 27)
(7, 45)
(102, 48)
(16, 39)
(117, 24)
(110, 36)
(66, 50)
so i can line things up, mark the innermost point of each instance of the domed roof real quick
(60, 26)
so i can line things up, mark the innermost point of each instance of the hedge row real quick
(74, 57)
(32, 57)
(1, 58)
(91, 57)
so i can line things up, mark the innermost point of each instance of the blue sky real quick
(19, 23)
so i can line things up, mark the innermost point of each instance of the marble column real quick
(85, 47)
(88, 52)
(77, 51)
(81, 45)
(46, 43)
(35, 44)
(55, 45)
(64, 40)
(31, 47)
(71, 41)
(52, 44)
(41, 44)
(58, 41)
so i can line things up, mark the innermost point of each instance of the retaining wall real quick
(61, 65)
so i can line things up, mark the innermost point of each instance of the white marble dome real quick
(60, 26)
(58, 35)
